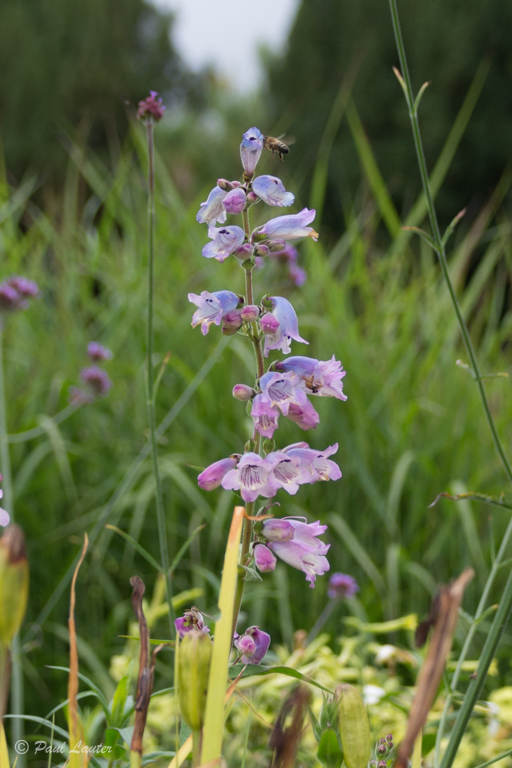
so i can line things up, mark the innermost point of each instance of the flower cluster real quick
(342, 585)
(251, 647)
(151, 108)
(285, 388)
(15, 293)
(97, 381)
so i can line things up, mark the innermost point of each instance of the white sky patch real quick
(227, 33)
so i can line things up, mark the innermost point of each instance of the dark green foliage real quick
(73, 65)
(448, 41)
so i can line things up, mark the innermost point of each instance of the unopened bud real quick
(249, 446)
(261, 250)
(267, 301)
(224, 184)
(389, 737)
(194, 657)
(234, 202)
(268, 446)
(244, 252)
(269, 323)
(242, 392)
(382, 749)
(275, 246)
(250, 313)
(252, 197)
(14, 578)
(231, 322)
(382, 764)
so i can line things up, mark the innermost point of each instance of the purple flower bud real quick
(97, 380)
(250, 313)
(231, 322)
(382, 764)
(151, 108)
(264, 559)
(251, 149)
(4, 516)
(192, 620)
(252, 197)
(244, 252)
(342, 585)
(382, 749)
(276, 246)
(25, 287)
(269, 323)
(271, 190)
(212, 210)
(252, 645)
(212, 307)
(242, 392)
(389, 737)
(290, 227)
(224, 242)
(98, 352)
(234, 202)
(212, 476)
(226, 185)
(9, 298)
(278, 530)
(261, 250)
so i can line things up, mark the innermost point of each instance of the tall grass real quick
(412, 426)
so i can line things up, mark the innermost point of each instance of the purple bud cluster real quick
(15, 293)
(283, 390)
(251, 647)
(97, 382)
(383, 752)
(151, 109)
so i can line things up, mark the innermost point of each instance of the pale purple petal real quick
(288, 327)
(290, 227)
(304, 415)
(253, 645)
(278, 530)
(272, 191)
(212, 476)
(264, 559)
(4, 517)
(234, 202)
(251, 478)
(265, 416)
(212, 210)
(320, 377)
(251, 149)
(281, 390)
(212, 307)
(224, 242)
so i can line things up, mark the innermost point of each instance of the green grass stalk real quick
(505, 608)
(160, 511)
(17, 693)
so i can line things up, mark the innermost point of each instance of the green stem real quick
(439, 245)
(17, 698)
(505, 607)
(196, 748)
(160, 511)
(5, 678)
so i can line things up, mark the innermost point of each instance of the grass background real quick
(412, 426)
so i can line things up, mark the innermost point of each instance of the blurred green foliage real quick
(337, 41)
(71, 66)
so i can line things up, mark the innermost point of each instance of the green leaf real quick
(117, 716)
(289, 672)
(251, 574)
(329, 752)
(423, 235)
(317, 731)
(93, 686)
(184, 548)
(135, 544)
(185, 732)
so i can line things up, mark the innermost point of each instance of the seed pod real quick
(354, 727)
(13, 582)
(194, 658)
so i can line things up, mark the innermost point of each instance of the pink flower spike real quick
(98, 352)
(304, 551)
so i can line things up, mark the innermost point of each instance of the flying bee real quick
(275, 145)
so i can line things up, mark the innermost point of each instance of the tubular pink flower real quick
(271, 190)
(234, 202)
(251, 477)
(224, 242)
(288, 327)
(212, 307)
(287, 472)
(251, 149)
(281, 390)
(303, 415)
(250, 313)
(304, 551)
(252, 645)
(212, 210)
(212, 476)
(264, 559)
(290, 227)
(316, 462)
(319, 377)
(265, 417)
(269, 323)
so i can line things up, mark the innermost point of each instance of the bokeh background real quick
(72, 217)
